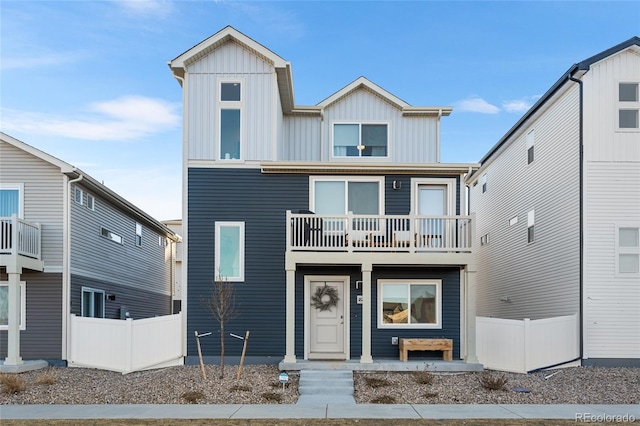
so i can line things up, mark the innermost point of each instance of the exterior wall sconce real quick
(111, 297)
(397, 184)
(360, 147)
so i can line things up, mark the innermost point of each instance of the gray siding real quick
(42, 338)
(540, 279)
(147, 267)
(43, 195)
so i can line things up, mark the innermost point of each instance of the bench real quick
(444, 345)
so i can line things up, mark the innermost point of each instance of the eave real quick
(368, 168)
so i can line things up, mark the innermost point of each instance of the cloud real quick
(147, 8)
(122, 119)
(476, 104)
(519, 105)
(37, 60)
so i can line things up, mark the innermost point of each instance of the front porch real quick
(384, 365)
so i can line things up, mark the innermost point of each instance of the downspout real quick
(581, 212)
(66, 267)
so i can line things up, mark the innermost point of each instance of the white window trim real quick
(138, 234)
(380, 180)
(437, 283)
(621, 105)
(360, 123)
(23, 305)
(531, 226)
(483, 183)
(92, 290)
(220, 105)
(624, 250)
(530, 144)
(91, 202)
(450, 183)
(111, 238)
(242, 250)
(75, 196)
(20, 188)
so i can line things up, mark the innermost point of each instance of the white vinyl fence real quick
(524, 345)
(125, 345)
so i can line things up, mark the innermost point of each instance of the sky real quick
(88, 81)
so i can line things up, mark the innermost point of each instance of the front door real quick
(327, 319)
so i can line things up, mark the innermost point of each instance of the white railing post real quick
(348, 232)
(14, 234)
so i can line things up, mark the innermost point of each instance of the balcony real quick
(379, 233)
(20, 243)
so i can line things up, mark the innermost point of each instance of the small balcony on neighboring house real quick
(439, 236)
(20, 244)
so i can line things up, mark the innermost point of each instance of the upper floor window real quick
(10, 202)
(229, 251)
(483, 182)
(230, 114)
(138, 235)
(91, 202)
(78, 195)
(360, 140)
(628, 106)
(531, 136)
(110, 235)
(628, 250)
(530, 226)
(340, 196)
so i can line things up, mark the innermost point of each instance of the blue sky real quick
(87, 81)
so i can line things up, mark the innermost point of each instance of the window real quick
(92, 303)
(110, 235)
(230, 118)
(628, 247)
(229, 251)
(409, 304)
(78, 195)
(343, 195)
(10, 200)
(530, 226)
(138, 235)
(91, 202)
(628, 106)
(530, 141)
(4, 305)
(360, 140)
(513, 220)
(483, 181)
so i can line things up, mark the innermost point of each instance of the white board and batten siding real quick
(612, 198)
(536, 280)
(259, 94)
(43, 186)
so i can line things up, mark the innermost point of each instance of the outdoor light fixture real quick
(360, 147)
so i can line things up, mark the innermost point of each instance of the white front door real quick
(327, 319)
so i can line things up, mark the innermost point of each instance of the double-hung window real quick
(229, 251)
(360, 140)
(409, 304)
(4, 305)
(628, 106)
(92, 303)
(530, 226)
(628, 251)
(138, 235)
(230, 116)
(531, 137)
(78, 196)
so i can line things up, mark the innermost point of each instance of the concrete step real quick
(325, 390)
(326, 387)
(325, 399)
(322, 374)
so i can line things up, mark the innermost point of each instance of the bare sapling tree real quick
(222, 305)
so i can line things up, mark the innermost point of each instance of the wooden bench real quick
(444, 345)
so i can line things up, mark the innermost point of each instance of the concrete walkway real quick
(587, 412)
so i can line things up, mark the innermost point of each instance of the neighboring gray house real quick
(72, 246)
(557, 202)
(336, 223)
(176, 226)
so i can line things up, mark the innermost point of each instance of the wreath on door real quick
(325, 298)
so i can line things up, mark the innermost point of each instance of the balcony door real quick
(433, 198)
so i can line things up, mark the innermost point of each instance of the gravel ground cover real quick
(259, 385)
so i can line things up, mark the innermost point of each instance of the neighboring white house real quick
(557, 202)
(176, 226)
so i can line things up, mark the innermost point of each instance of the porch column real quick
(470, 297)
(366, 314)
(13, 334)
(290, 355)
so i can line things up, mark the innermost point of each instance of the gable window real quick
(78, 196)
(229, 251)
(92, 303)
(10, 200)
(530, 226)
(360, 140)
(91, 202)
(531, 136)
(409, 304)
(110, 235)
(4, 305)
(230, 109)
(628, 250)
(138, 235)
(628, 106)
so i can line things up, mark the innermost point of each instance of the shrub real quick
(272, 396)
(376, 382)
(423, 377)
(491, 382)
(12, 383)
(48, 377)
(192, 397)
(384, 399)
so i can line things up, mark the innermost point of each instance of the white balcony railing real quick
(19, 237)
(386, 233)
